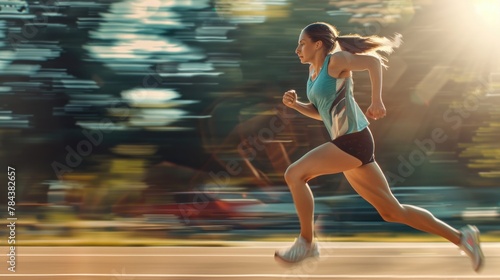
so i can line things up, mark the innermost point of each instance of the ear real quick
(318, 44)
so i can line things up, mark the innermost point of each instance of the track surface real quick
(250, 260)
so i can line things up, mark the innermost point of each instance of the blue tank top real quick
(334, 100)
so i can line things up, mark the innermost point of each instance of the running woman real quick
(351, 149)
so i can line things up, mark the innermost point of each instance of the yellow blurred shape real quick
(127, 166)
(250, 8)
(135, 150)
(79, 177)
(491, 174)
(124, 184)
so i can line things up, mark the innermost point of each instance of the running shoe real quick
(470, 245)
(299, 251)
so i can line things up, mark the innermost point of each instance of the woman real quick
(351, 149)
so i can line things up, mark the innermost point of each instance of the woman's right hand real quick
(290, 98)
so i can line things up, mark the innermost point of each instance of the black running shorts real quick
(358, 144)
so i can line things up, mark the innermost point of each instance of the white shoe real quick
(470, 245)
(299, 251)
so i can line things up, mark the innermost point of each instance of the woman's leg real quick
(324, 159)
(369, 181)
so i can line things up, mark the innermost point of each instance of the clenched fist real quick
(376, 110)
(290, 98)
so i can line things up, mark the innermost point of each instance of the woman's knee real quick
(294, 174)
(395, 214)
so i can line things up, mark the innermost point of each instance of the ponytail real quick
(373, 45)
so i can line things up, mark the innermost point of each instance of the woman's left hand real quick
(376, 110)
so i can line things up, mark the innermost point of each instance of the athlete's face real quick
(306, 48)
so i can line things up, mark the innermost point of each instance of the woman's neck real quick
(318, 63)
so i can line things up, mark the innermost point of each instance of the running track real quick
(250, 260)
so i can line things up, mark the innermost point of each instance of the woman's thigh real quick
(324, 159)
(370, 183)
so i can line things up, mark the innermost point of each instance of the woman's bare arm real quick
(343, 62)
(306, 109)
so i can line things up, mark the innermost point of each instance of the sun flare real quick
(489, 11)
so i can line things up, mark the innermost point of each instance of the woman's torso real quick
(334, 100)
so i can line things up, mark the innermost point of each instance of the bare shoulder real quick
(340, 57)
(353, 62)
(338, 67)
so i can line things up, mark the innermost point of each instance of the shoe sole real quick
(288, 264)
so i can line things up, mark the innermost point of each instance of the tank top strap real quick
(327, 60)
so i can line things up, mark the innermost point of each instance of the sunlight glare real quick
(489, 11)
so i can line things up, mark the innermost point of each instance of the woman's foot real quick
(470, 244)
(299, 251)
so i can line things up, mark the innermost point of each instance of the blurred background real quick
(163, 118)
